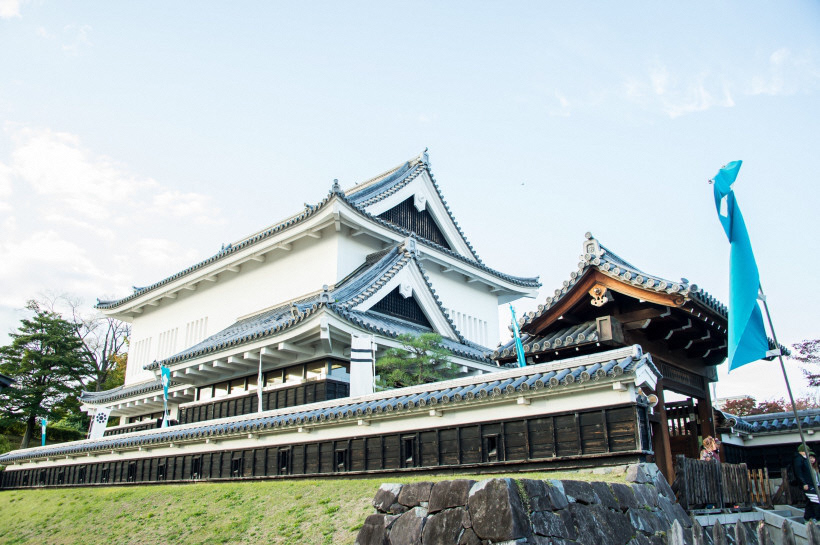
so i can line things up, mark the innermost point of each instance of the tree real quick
(808, 351)
(421, 359)
(48, 363)
(740, 407)
(104, 339)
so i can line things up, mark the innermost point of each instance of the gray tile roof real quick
(121, 392)
(610, 264)
(353, 290)
(761, 424)
(467, 390)
(377, 189)
(572, 335)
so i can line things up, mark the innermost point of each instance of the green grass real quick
(326, 511)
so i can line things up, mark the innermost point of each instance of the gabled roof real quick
(384, 185)
(599, 258)
(560, 377)
(356, 288)
(360, 197)
(760, 424)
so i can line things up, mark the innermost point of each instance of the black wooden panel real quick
(541, 433)
(358, 455)
(470, 445)
(422, 223)
(566, 434)
(374, 453)
(621, 429)
(326, 457)
(515, 441)
(428, 448)
(391, 452)
(592, 433)
(312, 458)
(448, 446)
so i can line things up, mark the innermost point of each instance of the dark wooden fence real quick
(586, 438)
(702, 484)
(308, 392)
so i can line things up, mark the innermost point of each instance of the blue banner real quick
(165, 378)
(519, 348)
(747, 334)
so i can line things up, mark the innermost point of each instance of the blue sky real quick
(136, 138)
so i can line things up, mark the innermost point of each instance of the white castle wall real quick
(161, 331)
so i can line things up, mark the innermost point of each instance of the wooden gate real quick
(683, 428)
(702, 484)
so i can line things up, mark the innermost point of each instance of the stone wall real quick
(508, 511)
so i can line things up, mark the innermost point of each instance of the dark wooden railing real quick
(702, 484)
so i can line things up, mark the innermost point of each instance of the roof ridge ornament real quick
(336, 189)
(324, 297)
(592, 248)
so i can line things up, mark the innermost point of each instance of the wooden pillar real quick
(660, 437)
(705, 416)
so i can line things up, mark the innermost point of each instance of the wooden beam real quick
(294, 349)
(190, 287)
(211, 278)
(315, 234)
(233, 268)
(287, 246)
(257, 258)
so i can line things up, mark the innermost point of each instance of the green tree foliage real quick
(421, 359)
(48, 363)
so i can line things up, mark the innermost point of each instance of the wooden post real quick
(813, 533)
(718, 534)
(697, 533)
(740, 534)
(763, 537)
(788, 534)
(660, 438)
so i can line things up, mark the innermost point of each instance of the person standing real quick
(711, 450)
(804, 474)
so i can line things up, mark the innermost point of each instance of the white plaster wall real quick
(283, 276)
(471, 299)
(352, 252)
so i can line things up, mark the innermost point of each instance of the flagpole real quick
(762, 297)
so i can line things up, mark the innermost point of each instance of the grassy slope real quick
(328, 511)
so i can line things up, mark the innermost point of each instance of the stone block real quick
(373, 531)
(580, 492)
(645, 495)
(444, 527)
(397, 509)
(547, 523)
(386, 495)
(408, 528)
(569, 523)
(663, 487)
(447, 494)
(497, 511)
(614, 526)
(413, 494)
(605, 494)
(625, 495)
(544, 495)
(469, 538)
(673, 511)
(648, 522)
(638, 473)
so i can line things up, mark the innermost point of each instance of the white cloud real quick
(786, 74)
(9, 9)
(56, 165)
(675, 95)
(76, 37)
(87, 225)
(194, 206)
(563, 109)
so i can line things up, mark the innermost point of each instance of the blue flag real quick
(747, 335)
(43, 424)
(519, 348)
(165, 378)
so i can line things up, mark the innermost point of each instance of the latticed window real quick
(393, 304)
(422, 223)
